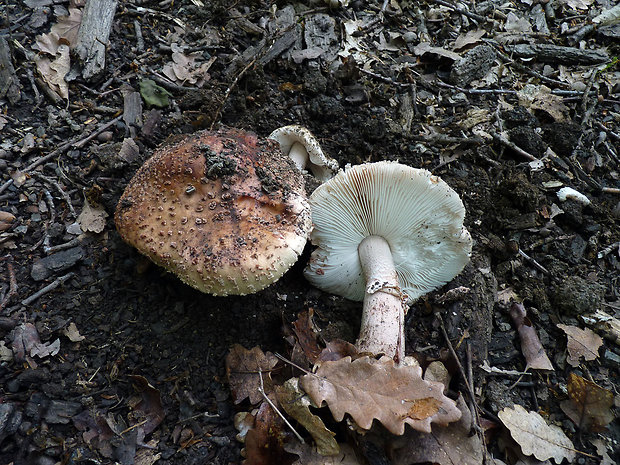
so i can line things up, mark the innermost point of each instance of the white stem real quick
(383, 312)
(299, 155)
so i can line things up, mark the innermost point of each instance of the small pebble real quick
(105, 136)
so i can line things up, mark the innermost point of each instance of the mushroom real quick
(298, 143)
(224, 211)
(386, 234)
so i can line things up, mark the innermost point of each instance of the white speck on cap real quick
(417, 213)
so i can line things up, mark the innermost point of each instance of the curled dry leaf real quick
(72, 333)
(297, 405)
(535, 436)
(589, 405)
(532, 349)
(581, 343)
(244, 369)
(446, 445)
(369, 389)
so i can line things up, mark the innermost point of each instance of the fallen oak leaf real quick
(244, 369)
(264, 441)
(297, 405)
(589, 405)
(445, 445)
(306, 335)
(535, 436)
(581, 343)
(369, 389)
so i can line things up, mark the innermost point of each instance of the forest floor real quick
(105, 357)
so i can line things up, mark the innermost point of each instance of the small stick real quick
(67, 245)
(230, 89)
(48, 288)
(60, 190)
(607, 250)
(533, 262)
(12, 284)
(502, 140)
(261, 389)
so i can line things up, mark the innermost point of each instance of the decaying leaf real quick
(589, 405)
(601, 450)
(147, 409)
(264, 441)
(581, 343)
(92, 218)
(369, 389)
(306, 336)
(153, 94)
(309, 456)
(244, 369)
(186, 68)
(533, 351)
(445, 445)
(535, 436)
(54, 71)
(25, 342)
(540, 98)
(72, 333)
(64, 31)
(297, 405)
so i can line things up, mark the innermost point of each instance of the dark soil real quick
(137, 319)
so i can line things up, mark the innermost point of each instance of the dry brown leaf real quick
(264, 442)
(92, 218)
(535, 436)
(470, 38)
(601, 450)
(540, 98)
(309, 456)
(186, 69)
(72, 333)
(581, 343)
(532, 349)
(446, 445)
(244, 369)
(54, 72)
(608, 325)
(369, 389)
(306, 335)
(589, 405)
(147, 409)
(297, 405)
(337, 349)
(66, 29)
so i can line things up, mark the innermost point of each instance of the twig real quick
(533, 262)
(67, 245)
(469, 14)
(607, 250)
(290, 362)
(229, 90)
(12, 283)
(50, 287)
(45, 240)
(60, 190)
(76, 142)
(468, 385)
(261, 389)
(502, 140)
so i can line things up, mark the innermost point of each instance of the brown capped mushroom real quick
(225, 211)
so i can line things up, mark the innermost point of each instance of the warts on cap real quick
(224, 211)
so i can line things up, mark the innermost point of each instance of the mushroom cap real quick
(319, 164)
(418, 214)
(224, 211)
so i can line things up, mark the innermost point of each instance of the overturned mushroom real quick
(386, 234)
(298, 143)
(224, 211)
